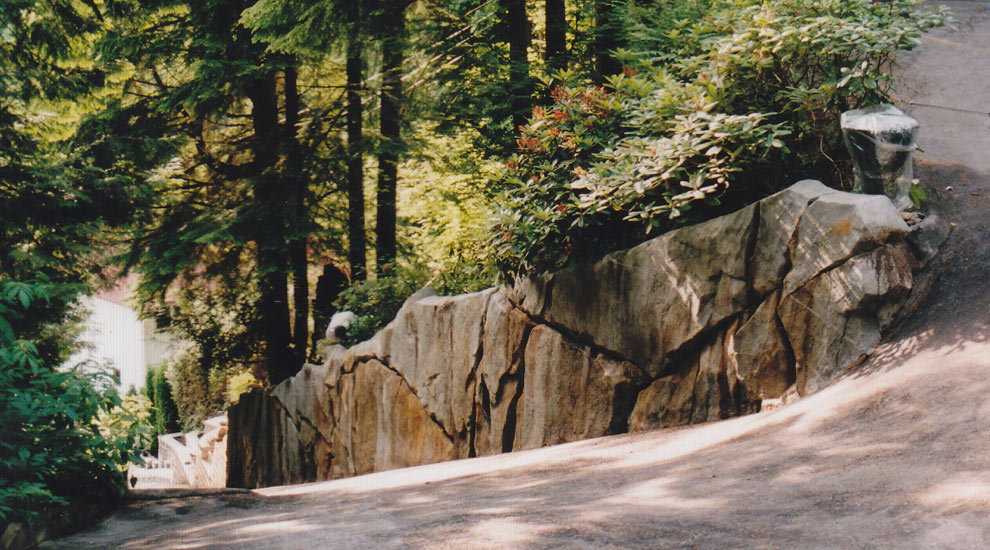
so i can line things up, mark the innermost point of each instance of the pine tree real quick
(607, 38)
(520, 39)
(393, 24)
(357, 247)
(556, 31)
(235, 207)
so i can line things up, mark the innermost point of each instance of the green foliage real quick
(201, 390)
(164, 416)
(470, 86)
(580, 188)
(444, 208)
(212, 114)
(239, 384)
(917, 194)
(217, 329)
(650, 26)
(129, 425)
(376, 301)
(743, 101)
(191, 383)
(219, 321)
(52, 448)
(55, 205)
(306, 28)
(46, 76)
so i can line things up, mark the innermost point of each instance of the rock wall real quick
(698, 324)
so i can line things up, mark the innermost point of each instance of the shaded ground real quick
(893, 456)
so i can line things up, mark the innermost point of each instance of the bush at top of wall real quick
(735, 104)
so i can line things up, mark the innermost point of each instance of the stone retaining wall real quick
(699, 324)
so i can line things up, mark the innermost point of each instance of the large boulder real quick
(836, 317)
(380, 424)
(435, 343)
(836, 227)
(499, 385)
(779, 215)
(764, 362)
(571, 392)
(648, 301)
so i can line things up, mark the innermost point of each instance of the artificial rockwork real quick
(698, 324)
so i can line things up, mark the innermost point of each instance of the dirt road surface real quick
(895, 455)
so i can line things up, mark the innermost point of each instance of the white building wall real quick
(113, 333)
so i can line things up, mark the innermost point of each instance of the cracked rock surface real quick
(699, 324)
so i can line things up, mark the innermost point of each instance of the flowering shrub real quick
(745, 101)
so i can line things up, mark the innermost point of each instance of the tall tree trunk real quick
(271, 233)
(556, 20)
(296, 194)
(274, 301)
(607, 40)
(393, 22)
(357, 252)
(520, 39)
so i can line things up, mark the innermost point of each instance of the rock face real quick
(698, 324)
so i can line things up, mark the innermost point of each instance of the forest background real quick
(251, 160)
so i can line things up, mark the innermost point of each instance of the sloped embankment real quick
(698, 324)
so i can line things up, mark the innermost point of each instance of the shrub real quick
(743, 101)
(376, 301)
(239, 384)
(52, 450)
(164, 415)
(190, 383)
(129, 424)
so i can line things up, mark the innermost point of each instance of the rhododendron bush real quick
(742, 102)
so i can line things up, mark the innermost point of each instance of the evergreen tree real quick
(519, 37)
(556, 32)
(393, 28)
(57, 211)
(607, 38)
(357, 247)
(235, 204)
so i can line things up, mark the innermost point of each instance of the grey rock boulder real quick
(648, 301)
(699, 324)
(836, 227)
(435, 343)
(779, 215)
(762, 353)
(836, 317)
(570, 392)
(926, 237)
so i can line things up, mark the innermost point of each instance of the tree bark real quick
(295, 184)
(607, 40)
(357, 247)
(520, 39)
(556, 43)
(393, 22)
(270, 235)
